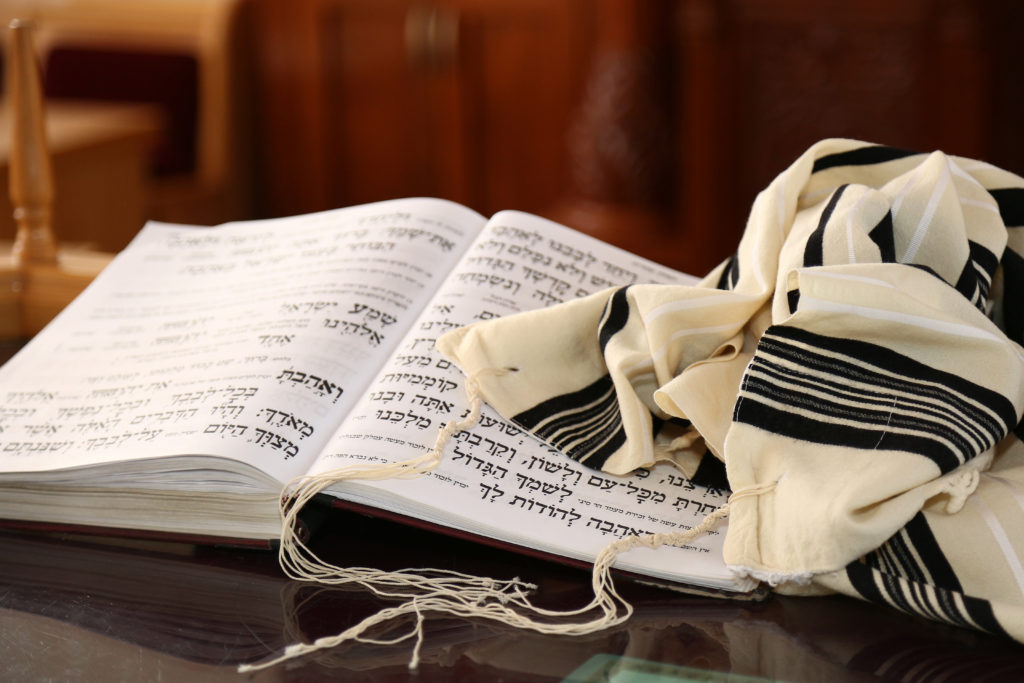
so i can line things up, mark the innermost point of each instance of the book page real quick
(496, 480)
(247, 341)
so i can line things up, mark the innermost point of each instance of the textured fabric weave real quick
(858, 363)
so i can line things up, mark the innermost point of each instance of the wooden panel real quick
(463, 99)
(377, 135)
(521, 64)
(763, 80)
(548, 106)
(620, 151)
(291, 112)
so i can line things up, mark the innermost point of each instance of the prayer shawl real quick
(857, 366)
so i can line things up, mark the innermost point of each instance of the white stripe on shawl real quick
(1001, 538)
(851, 252)
(944, 327)
(901, 195)
(926, 218)
(979, 204)
(854, 278)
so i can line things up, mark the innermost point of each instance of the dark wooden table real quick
(83, 609)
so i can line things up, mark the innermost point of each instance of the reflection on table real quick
(79, 608)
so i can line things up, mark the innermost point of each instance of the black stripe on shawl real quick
(825, 430)
(984, 260)
(711, 473)
(793, 298)
(730, 274)
(882, 235)
(917, 542)
(867, 397)
(814, 249)
(973, 291)
(931, 271)
(585, 425)
(862, 156)
(1011, 205)
(967, 283)
(874, 408)
(976, 276)
(1013, 291)
(616, 313)
(924, 600)
(898, 363)
(658, 423)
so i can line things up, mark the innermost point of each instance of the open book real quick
(207, 367)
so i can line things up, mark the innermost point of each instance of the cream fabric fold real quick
(858, 363)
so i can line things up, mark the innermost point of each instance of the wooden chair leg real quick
(38, 283)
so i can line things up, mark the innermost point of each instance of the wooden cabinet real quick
(759, 81)
(375, 99)
(557, 108)
(649, 123)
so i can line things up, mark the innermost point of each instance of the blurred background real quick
(649, 123)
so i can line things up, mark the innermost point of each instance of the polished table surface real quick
(74, 608)
(79, 608)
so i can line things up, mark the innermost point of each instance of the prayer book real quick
(208, 367)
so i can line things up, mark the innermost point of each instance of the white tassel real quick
(444, 591)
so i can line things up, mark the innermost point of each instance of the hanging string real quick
(443, 591)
